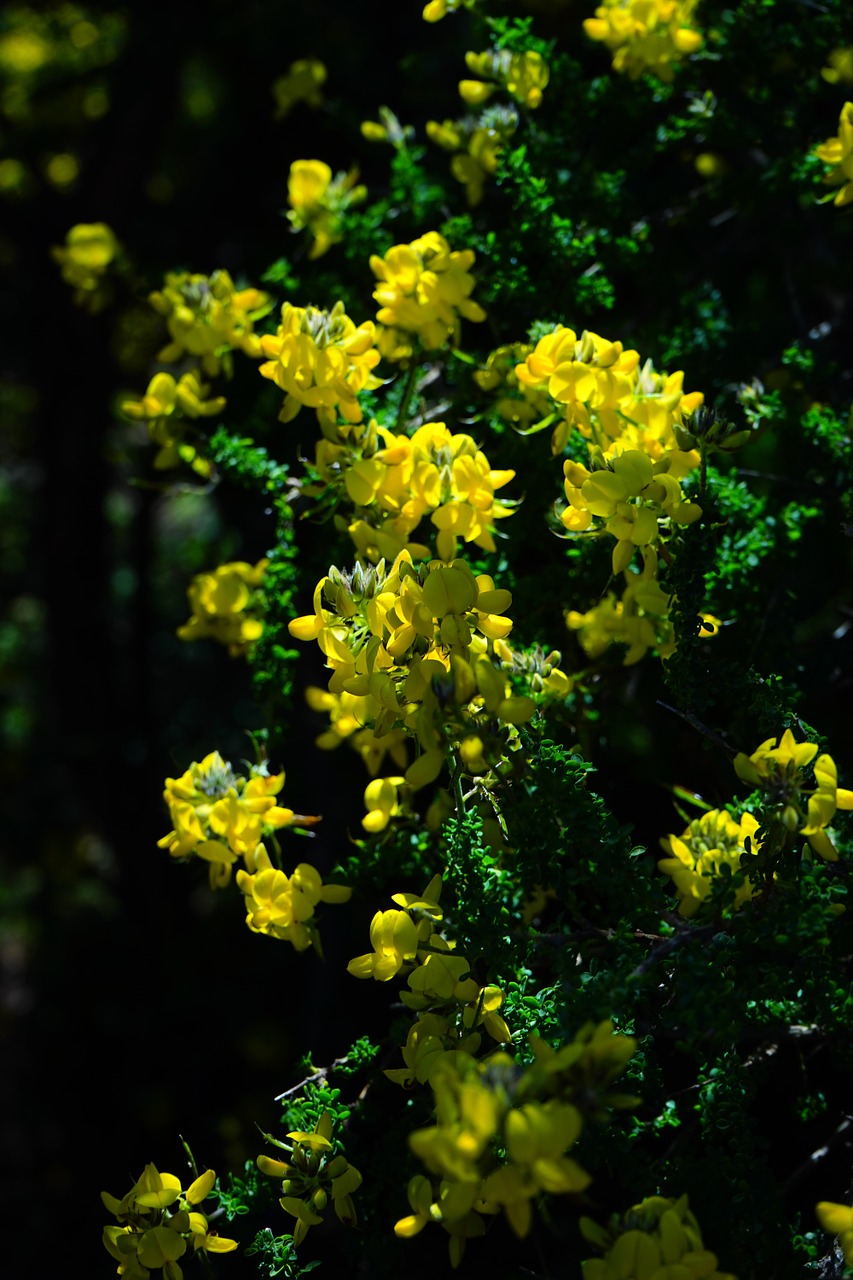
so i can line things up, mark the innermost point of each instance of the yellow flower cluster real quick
(282, 906)
(158, 1222)
(838, 1219)
(477, 143)
(629, 416)
(303, 82)
(223, 603)
(450, 1004)
(318, 201)
(207, 317)
(322, 360)
(418, 643)
(778, 771)
(164, 406)
(424, 288)
(656, 1238)
(635, 498)
(84, 258)
(394, 481)
(312, 1174)
(220, 815)
(837, 152)
(534, 1114)
(640, 620)
(522, 75)
(708, 850)
(598, 387)
(646, 35)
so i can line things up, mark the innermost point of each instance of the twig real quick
(320, 1074)
(816, 1156)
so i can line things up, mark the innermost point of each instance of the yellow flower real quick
(318, 201)
(778, 770)
(322, 360)
(222, 604)
(523, 75)
(158, 1221)
(162, 407)
(208, 317)
(640, 620)
(381, 799)
(840, 67)
(424, 289)
(633, 495)
(88, 250)
(838, 1220)
(697, 857)
(314, 1172)
(283, 906)
(837, 152)
(396, 935)
(302, 83)
(220, 815)
(646, 35)
(657, 1237)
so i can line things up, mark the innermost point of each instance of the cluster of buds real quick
(533, 1114)
(303, 82)
(158, 1222)
(312, 1176)
(516, 403)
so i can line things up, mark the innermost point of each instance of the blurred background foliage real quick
(679, 218)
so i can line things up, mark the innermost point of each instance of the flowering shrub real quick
(497, 667)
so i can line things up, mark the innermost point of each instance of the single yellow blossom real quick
(84, 258)
(840, 68)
